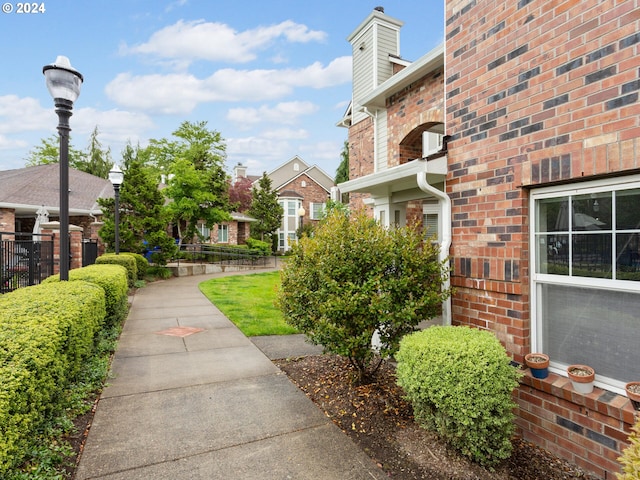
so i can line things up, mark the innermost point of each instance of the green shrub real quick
(46, 333)
(127, 261)
(158, 271)
(459, 381)
(112, 279)
(263, 247)
(630, 458)
(354, 277)
(141, 264)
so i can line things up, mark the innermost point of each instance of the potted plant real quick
(633, 393)
(538, 363)
(582, 377)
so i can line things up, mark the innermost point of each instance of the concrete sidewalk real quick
(193, 398)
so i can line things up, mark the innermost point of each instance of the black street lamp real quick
(63, 83)
(116, 177)
(301, 214)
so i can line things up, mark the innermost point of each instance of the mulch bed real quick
(380, 421)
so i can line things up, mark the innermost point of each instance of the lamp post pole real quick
(63, 83)
(301, 214)
(116, 177)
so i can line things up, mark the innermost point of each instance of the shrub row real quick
(135, 264)
(459, 381)
(47, 332)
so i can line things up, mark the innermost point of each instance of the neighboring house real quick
(230, 233)
(536, 191)
(299, 186)
(25, 191)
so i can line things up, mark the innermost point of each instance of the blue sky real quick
(273, 77)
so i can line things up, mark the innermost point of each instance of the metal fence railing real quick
(203, 253)
(25, 259)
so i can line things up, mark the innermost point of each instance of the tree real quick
(265, 209)
(143, 219)
(352, 278)
(192, 199)
(49, 152)
(240, 194)
(342, 172)
(97, 160)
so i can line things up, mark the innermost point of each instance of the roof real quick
(293, 168)
(26, 190)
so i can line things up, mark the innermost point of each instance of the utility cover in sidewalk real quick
(180, 331)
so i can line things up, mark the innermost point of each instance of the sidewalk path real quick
(192, 398)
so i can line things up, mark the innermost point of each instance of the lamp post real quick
(63, 83)
(116, 177)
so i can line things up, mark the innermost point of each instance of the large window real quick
(585, 246)
(317, 211)
(223, 233)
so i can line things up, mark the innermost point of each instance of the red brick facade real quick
(361, 159)
(311, 192)
(537, 93)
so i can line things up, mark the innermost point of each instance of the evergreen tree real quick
(342, 173)
(143, 220)
(265, 209)
(97, 161)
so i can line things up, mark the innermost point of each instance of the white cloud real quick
(213, 41)
(286, 134)
(115, 127)
(24, 115)
(7, 143)
(283, 113)
(180, 93)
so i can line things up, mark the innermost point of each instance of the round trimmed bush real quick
(459, 381)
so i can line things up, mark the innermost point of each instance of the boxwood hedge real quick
(46, 332)
(459, 381)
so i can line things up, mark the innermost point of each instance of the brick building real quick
(303, 191)
(536, 195)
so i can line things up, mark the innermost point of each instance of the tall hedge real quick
(128, 261)
(113, 280)
(459, 381)
(46, 332)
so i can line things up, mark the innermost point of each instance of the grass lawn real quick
(248, 301)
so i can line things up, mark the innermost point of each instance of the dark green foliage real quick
(46, 333)
(265, 209)
(112, 279)
(353, 277)
(143, 219)
(459, 381)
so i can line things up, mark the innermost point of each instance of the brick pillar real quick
(7, 221)
(94, 228)
(75, 247)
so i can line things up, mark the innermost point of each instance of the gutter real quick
(445, 244)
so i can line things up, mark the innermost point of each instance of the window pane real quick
(594, 327)
(591, 255)
(552, 253)
(592, 212)
(552, 215)
(627, 211)
(291, 208)
(628, 256)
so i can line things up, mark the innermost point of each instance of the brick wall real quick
(7, 220)
(311, 192)
(537, 92)
(361, 157)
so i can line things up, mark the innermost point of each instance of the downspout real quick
(445, 243)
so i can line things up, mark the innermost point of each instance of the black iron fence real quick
(25, 259)
(203, 253)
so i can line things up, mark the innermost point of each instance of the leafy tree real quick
(265, 209)
(352, 278)
(97, 160)
(143, 220)
(193, 199)
(240, 194)
(48, 152)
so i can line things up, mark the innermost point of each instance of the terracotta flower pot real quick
(582, 377)
(538, 363)
(632, 390)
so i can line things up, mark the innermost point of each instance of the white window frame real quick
(566, 190)
(223, 231)
(204, 231)
(317, 210)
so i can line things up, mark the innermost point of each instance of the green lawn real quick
(248, 301)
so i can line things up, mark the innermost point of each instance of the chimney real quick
(239, 171)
